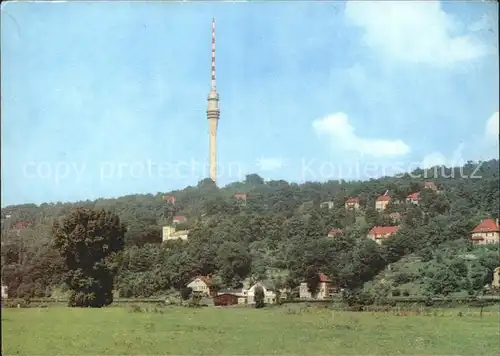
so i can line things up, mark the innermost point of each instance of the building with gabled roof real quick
(352, 203)
(21, 225)
(241, 198)
(382, 201)
(486, 232)
(326, 289)
(413, 198)
(269, 292)
(201, 285)
(178, 219)
(169, 199)
(380, 233)
(334, 232)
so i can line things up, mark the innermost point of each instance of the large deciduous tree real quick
(88, 241)
(234, 263)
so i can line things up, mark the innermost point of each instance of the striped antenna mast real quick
(213, 55)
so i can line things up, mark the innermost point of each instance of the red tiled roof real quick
(21, 225)
(487, 225)
(324, 278)
(240, 196)
(353, 200)
(383, 230)
(179, 218)
(414, 196)
(335, 231)
(384, 198)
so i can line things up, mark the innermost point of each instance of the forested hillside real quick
(280, 231)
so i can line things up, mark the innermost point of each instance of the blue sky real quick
(107, 99)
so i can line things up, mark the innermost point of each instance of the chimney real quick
(386, 192)
(496, 222)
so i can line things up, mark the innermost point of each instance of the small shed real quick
(225, 299)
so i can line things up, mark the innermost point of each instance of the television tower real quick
(213, 114)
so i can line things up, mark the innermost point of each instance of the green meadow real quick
(245, 331)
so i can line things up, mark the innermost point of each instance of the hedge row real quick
(392, 301)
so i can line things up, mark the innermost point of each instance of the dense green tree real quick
(88, 240)
(312, 280)
(254, 179)
(278, 233)
(259, 297)
(234, 263)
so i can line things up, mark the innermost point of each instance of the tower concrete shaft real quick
(213, 114)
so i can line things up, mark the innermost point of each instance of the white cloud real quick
(342, 135)
(492, 131)
(434, 159)
(270, 163)
(414, 31)
(438, 159)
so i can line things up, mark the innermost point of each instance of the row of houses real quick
(381, 203)
(203, 286)
(383, 200)
(485, 233)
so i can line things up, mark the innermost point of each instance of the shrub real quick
(195, 301)
(16, 303)
(429, 302)
(186, 293)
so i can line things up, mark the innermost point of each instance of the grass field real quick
(243, 331)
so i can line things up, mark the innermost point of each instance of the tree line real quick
(92, 248)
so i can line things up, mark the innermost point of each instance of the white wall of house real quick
(199, 286)
(487, 238)
(379, 238)
(324, 291)
(269, 295)
(496, 278)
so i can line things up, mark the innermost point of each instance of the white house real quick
(4, 291)
(269, 293)
(169, 233)
(201, 285)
